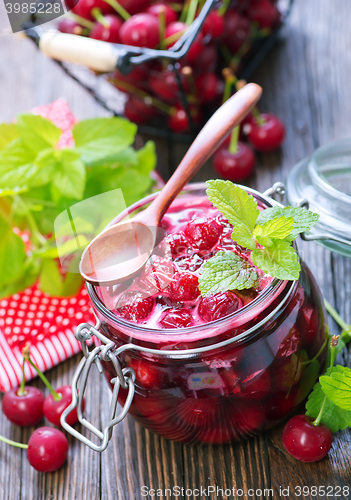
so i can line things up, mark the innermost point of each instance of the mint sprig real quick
(38, 182)
(227, 271)
(268, 234)
(333, 416)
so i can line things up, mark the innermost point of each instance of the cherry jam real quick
(226, 366)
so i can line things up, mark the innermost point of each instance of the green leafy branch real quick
(38, 181)
(268, 234)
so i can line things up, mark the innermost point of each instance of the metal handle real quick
(125, 378)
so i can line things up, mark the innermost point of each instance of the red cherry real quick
(47, 449)
(237, 30)
(86, 6)
(308, 322)
(132, 113)
(265, 136)
(284, 342)
(108, 33)
(203, 233)
(146, 374)
(177, 243)
(157, 275)
(26, 410)
(185, 287)
(214, 25)
(141, 30)
(234, 166)
(304, 441)
(219, 305)
(73, 6)
(265, 13)
(144, 107)
(207, 86)
(158, 8)
(134, 306)
(176, 318)
(197, 45)
(134, 6)
(164, 84)
(136, 77)
(206, 62)
(69, 26)
(54, 409)
(178, 120)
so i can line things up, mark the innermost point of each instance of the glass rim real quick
(273, 289)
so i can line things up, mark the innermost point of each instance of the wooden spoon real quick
(120, 251)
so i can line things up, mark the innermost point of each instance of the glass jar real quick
(227, 379)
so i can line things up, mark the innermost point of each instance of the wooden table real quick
(306, 81)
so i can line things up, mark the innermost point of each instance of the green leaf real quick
(99, 139)
(12, 254)
(226, 271)
(8, 132)
(26, 278)
(278, 228)
(233, 202)
(303, 219)
(243, 237)
(333, 417)
(52, 282)
(337, 386)
(69, 176)
(279, 260)
(16, 165)
(147, 158)
(37, 133)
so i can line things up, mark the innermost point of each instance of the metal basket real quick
(113, 100)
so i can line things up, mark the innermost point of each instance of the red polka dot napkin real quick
(47, 323)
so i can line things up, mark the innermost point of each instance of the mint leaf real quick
(337, 387)
(233, 202)
(243, 237)
(303, 219)
(69, 175)
(12, 254)
(279, 227)
(226, 271)
(279, 260)
(26, 278)
(99, 139)
(16, 165)
(37, 133)
(333, 417)
(8, 132)
(147, 158)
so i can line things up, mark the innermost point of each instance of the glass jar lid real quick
(322, 183)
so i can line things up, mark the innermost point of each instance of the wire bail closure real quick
(125, 378)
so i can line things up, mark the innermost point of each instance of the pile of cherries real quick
(27, 406)
(153, 90)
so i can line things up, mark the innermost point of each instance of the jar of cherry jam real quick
(202, 369)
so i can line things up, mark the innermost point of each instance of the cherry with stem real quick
(24, 406)
(47, 449)
(306, 439)
(55, 404)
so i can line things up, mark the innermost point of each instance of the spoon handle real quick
(228, 116)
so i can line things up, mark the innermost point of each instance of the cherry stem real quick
(13, 443)
(21, 391)
(184, 12)
(119, 9)
(191, 12)
(233, 145)
(174, 38)
(230, 79)
(143, 95)
(97, 14)
(80, 20)
(223, 9)
(336, 317)
(55, 395)
(333, 344)
(162, 19)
